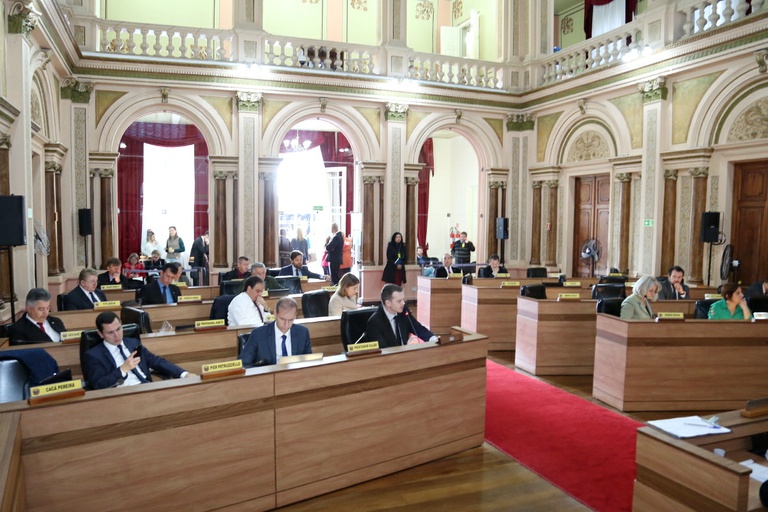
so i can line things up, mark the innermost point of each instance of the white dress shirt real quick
(129, 378)
(50, 331)
(279, 343)
(242, 311)
(88, 294)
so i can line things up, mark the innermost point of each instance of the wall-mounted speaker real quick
(502, 228)
(85, 222)
(13, 229)
(710, 227)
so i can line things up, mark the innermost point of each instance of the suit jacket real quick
(77, 299)
(488, 271)
(151, 294)
(199, 252)
(756, 290)
(443, 271)
(379, 329)
(104, 279)
(270, 283)
(261, 344)
(334, 248)
(234, 274)
(288, 271)
(667, 292)
(100, 370)
(24, 330)
(633, 308)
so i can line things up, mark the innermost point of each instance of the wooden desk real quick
(310, 285)
(679, 366)
(492, 311)
(685, 474)
(439, 301)
(80, 319)
(279, 426)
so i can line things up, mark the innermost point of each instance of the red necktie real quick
(40, 325)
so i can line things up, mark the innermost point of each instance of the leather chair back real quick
(613, 280)
(553, 284)
(467, 279)
(610, 306)
(61, 301)
(609, 291)
(14, 381)
(536, 272)
(534, 291)
(293, 283)
(758, 304)
(230, 287)
(315, 303)
(220, 308)
(134, 316)
(353, 324)
(90, 338)
(242, 339)
(702, 308)
(274, 272)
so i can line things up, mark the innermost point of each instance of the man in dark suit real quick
(674, 288)
(241, 271)
(161, 291)
(494, 267)
(198, 257)
(113, 275)
(447, 267)
(36, 324)
(297, 268)
(122, 362)
(392, 324)
(86, 294)
(280, 338)
(260, 270)
(758, 289)
(334, 249)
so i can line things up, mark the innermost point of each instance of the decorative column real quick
(536, 224)
(5, 189)
(59, 230)
(52, 216)
(271, 254)
(699, 175)
(668, 244)
(625, 200)
(412, 184)
(551, 260)
(493, 211)
(107, 206)
(220, 238)
(247, 215)
(369, 182)
(372, 177)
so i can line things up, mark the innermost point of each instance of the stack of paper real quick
(689, 426)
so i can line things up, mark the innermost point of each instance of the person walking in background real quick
(394, 270)
(334, 247)
(174, 246)
(346, 256)
(300, 244)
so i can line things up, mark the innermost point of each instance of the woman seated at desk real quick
(345, 297)
(638, 305)
(733, 305)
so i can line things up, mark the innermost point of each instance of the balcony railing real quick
(705, 15)
(456, 71)
(320, 55)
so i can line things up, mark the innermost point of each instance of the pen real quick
(700, 425)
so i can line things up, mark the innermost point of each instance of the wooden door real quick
(750, 218)
(592, 211)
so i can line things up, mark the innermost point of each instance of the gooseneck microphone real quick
(360, 338)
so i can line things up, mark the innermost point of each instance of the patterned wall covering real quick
(590, 145)
(651, 150)
(524, 201)
(248, 179)
(684, 226)
(752, 123)
(81, 172)
(635, 226)
(613, 257)
(544, 219)
(515, 201)
(397, 164)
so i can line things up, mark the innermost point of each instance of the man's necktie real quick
(135, 371)
(284, 348)
(166, 295)
(397, 330)
(295, 272)
(41, 326)
(93, 298)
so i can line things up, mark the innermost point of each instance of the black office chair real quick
(90, 338)
(220, 308)
(536, 272)
(14, 381)
(293, 283)
(553, 284)
(613, 280)
(354, 324)
(61, 302)
(662, 279)
(534, 291)
(610, 306)
(242, 339)
(230, 287)
(702, 308)
(274, 272)
(609, 291)
(758, 304)
(315, 303)
(467, 279)
(131, 315)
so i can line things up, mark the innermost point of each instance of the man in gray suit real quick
(674, 288)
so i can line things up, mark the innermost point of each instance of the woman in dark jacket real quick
(394, 271)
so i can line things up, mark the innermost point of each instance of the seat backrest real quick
(758, 304)
(354, 323)
(220, 308)
(14, 380)
(613, 280)
(611, 306)
(274, 272)
(536, 272)
(89, 338)
(702, 308)
(609, 291)
(467, 279)
(230, 287)
(534, 291)
(138, 317)
(553, 284)
(242, 339)
(315, 303)
(293, 283)
(61, 301)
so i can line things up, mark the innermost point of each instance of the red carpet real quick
(587, 451)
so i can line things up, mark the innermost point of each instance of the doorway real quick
(750, 216)
(591, 216)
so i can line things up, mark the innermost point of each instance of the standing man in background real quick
(334, 248)
(198, 257)
(461, 251)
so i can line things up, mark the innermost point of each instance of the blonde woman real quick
(345, 297)
(638, 305)
(152, 244)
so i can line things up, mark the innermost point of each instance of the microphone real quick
(360, 338)
(407, 314)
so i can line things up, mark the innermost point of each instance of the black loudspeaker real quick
(502, 228)
(710, 227)
(85, 222)
(13, 229)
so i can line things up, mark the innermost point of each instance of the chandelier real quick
(295, 145)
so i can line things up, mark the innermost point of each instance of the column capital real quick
(220, 175)
(249, 101)
(496, 184)
(623, 177)
(52, 167)
(76, 91)
(370, 180)
(23, 18)
(553, 183)
(670, 174)
(760, 57)
(699, 172)
(267, 176)
(5, 141)
(106, 173)
(537, 184)
(520, 122)
(654, 89)
(411, 181)
(396, 111)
